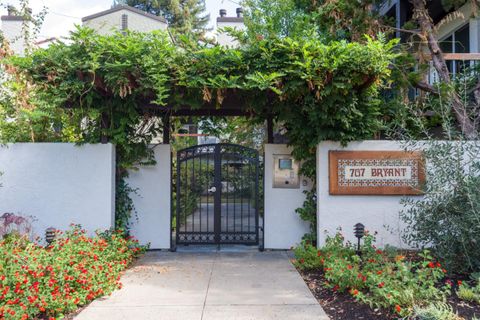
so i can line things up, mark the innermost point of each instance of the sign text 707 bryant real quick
(376, 172)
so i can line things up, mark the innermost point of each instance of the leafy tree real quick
(248, 132)
(344, 19)
(277, 18)
(183, 16)
(350, 19)
(22, 116)
(463, 113)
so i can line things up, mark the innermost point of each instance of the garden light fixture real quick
(50, 235)
(359, 231)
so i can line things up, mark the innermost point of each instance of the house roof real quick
(124, 7)
(12, 18)
(230, 19)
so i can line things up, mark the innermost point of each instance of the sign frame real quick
(336, 189)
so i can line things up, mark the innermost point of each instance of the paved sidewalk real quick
(209, 286)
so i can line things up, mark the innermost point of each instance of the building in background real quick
(12, 26)
(458, 35)
(121, 18)
(233, 22)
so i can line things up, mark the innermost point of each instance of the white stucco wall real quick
(283, 226)
(59, 184)
(377, 213)
(112, 22)
(153, 200)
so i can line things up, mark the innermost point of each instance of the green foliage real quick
(50, 282)
(307, 256)
(333, 87)
(446, 217)
(344, 19)
(436, 311)
(308, 212)
(183, 16)
(276, 19)
(23, 117)
(124, 207)
(374, 277)
(469, 293)
(249, 132)
(317, 91)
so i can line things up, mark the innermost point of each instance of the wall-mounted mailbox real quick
(285, 172)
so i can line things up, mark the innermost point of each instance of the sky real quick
(64, 14)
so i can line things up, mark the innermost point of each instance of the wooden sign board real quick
(376, 172)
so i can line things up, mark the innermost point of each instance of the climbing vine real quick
(316, 91)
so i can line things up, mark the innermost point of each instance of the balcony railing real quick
(458, 63)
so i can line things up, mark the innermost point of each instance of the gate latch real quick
(212, 189)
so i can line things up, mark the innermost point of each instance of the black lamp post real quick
(50, 235)
(359, 231)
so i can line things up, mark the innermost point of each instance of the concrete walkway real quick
(209, 286)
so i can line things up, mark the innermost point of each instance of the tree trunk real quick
(420, 13)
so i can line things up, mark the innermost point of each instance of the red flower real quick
(381, 284)
(354, 292)
(349, 267)
(398, 308)
(459, 282)
(431, 265)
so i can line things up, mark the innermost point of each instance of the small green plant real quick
(435, 311)
(308, 213)
(308, 257)
(469, 293)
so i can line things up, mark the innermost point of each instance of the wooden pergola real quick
(233, 105)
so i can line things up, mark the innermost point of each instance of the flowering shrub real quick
(308, 256)
(374, 277)
(49, 282)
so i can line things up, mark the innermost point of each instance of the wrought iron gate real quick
(217, 195)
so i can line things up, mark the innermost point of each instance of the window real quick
(124, 23)
(457, 42)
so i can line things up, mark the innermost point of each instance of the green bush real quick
(447, 218)
(308, 257)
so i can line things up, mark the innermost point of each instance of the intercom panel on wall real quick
(285, 172)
